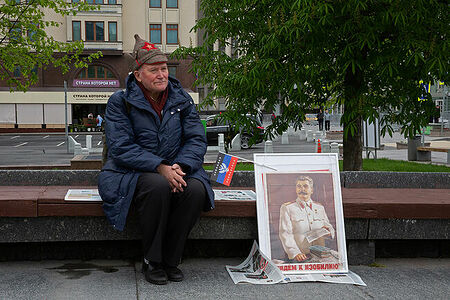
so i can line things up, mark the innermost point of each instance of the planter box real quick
(335, 135)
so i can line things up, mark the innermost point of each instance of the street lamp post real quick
(444, 109)
(66, 129)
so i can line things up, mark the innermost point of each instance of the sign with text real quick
(89, 97)
(96, 83)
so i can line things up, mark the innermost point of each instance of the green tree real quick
(25, 44)
(367, 55)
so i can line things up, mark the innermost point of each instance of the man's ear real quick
(137, 75)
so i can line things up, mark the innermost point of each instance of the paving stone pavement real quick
(417, 278)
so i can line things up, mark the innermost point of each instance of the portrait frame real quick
(317, 230)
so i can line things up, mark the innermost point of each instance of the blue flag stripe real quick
(226, 162)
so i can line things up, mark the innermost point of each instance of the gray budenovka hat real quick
(145, 53)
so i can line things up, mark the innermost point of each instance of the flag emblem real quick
(223, 168)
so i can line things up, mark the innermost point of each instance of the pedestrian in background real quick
(320, 119)
(99, 122)
(327, 117)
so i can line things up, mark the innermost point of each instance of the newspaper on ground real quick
(258, 269)
(83, 195)
(234, 195)
(346, 278)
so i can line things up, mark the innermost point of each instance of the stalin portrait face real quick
(304, 188)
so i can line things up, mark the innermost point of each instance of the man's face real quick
(303, 190)
(153, 77)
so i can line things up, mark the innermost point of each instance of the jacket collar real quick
(304, 204)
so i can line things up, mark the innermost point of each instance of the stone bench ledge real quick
(45, 201)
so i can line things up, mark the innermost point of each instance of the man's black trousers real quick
(166, 218)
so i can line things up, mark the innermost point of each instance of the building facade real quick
(111, 30)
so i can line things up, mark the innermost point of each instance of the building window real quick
(94, 1)
(32, 33)
(75, 1)
(95, 31)
(155, 3)
(15, 34)
(112, 31)
(112, 1)
(17, 73)
(76, 30)
(155, 33)
(172, 34)
(172, 71)
(172, 3)
(96, 72)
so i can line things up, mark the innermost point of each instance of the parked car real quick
(215, 125)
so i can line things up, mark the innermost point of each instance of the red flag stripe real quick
(231, 167)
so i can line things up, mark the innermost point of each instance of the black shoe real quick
(174, 274)
(144, 267)
(154, 273)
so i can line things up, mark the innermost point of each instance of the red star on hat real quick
(148, 46)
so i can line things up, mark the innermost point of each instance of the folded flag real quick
(224, 168)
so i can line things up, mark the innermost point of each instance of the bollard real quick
(72, 143)
(285, 138)
(325, 146)
(309, 136)
(221, 142)
(236, 143)
(268, 147)
(334, 148)
(318, 134)
(89, 141)
(77, 149)
(302, 134)
(412, 147)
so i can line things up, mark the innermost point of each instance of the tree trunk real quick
(353, 148)
(352, 117)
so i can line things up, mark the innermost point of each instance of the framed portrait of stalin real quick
(299, 208)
